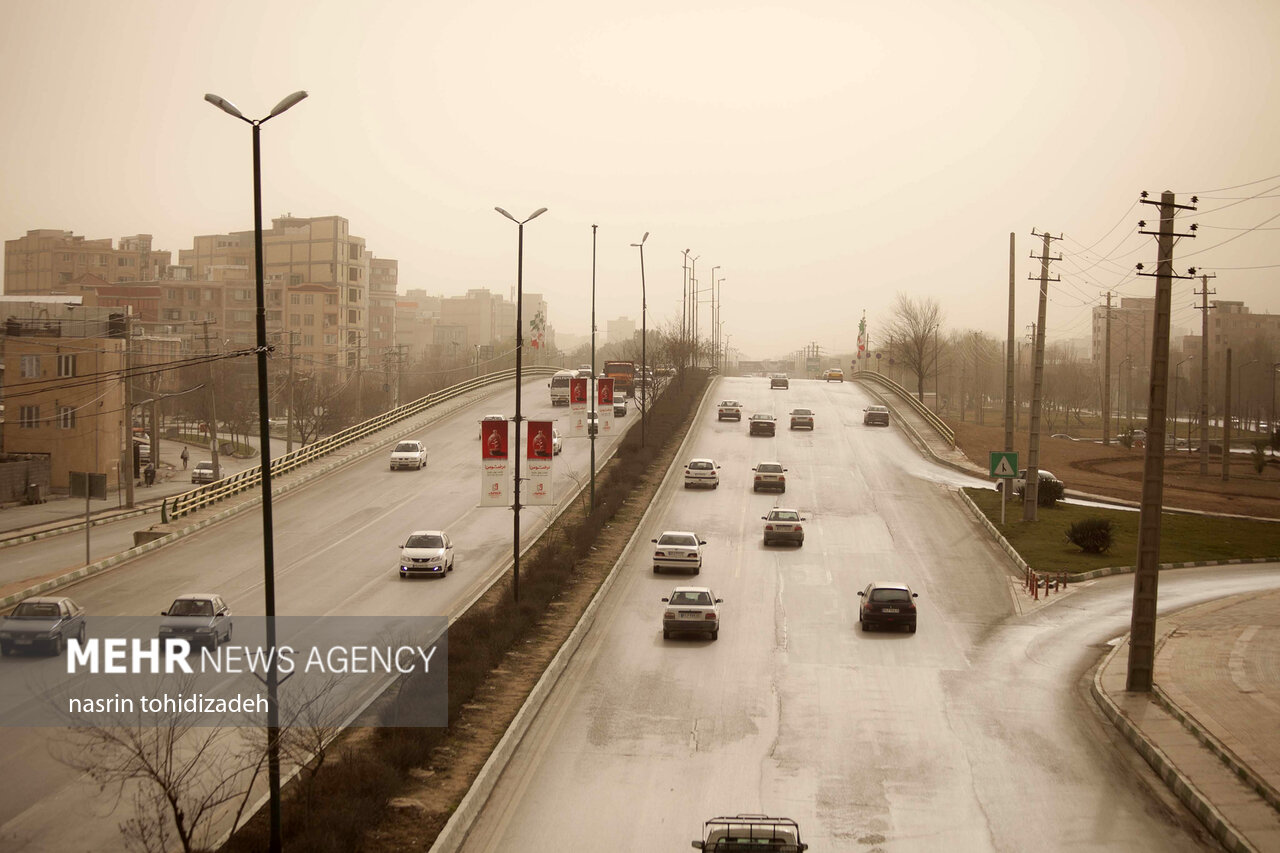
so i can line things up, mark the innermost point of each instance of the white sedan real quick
(701, 472)
(427, 552)
(694, 609)
(678, 549)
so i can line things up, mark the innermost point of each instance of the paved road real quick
(336, 543)
(975, 733)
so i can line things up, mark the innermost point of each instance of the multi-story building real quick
(383, 278)
(64, 395)
(46, 260)
(620, 330)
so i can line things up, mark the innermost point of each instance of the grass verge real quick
(1183, 538)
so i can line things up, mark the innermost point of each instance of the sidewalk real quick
(1211, 727)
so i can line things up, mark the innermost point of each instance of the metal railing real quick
(211, 493)
(902, 393)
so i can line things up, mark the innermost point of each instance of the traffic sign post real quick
(1003, 465)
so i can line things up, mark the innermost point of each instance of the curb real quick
(1179, 784)
(459, 825)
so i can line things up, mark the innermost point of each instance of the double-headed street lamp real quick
(264, 438)
(1175, 406)
(515, 502)
(644, 338)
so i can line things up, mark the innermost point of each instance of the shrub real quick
(1050, 492)
(1091, 535)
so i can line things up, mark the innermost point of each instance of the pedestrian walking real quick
(151, 474)
(185, 457)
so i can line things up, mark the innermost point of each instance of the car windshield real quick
(191, 607)
(762, 417)
(878, 409)
(204, 466)
(683, 539)
(767, 468)
(407, 447)
(784, 515)
(429, 541)
(802, 412)
(35, 610)
(700, 466)
(691, 598)
(890, 595)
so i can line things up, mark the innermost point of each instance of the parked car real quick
(727, 409)
(835, 374)
(200, 618)
(203, 473)
(887, 603)
(428, 552)
(1018, 484)
(691, 608)
(762, 424)
(770, 476)
(42, 623)
(409, 454)
(779, 380)
(701, 472)
(873, 415)
(802, 418)
(783, 525)
(678, 549)
(557, 443)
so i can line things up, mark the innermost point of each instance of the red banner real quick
(604, 405)
(539, 451)
(493, 439)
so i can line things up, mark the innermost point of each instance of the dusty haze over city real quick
(825, 155)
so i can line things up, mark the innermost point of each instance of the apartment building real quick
(620, 330)
(44, 261)
(63, 394)
(383, 282)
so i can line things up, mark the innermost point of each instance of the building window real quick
(173, 314)
(31, 367)
(66, 365)
(295, 278)
(309, 299)
(240, 262)
(308, 319)
(331, 299)
(353, 295)
(64, 277)
(210, 294)
(330, 340)
(242, 316)
(67, 257)
(244, 295)
(173, 293)
(295, 320)
(66, 417)
(353, 316)
(29, 417)
(295, 299)
(273, 317)
(331, 319)
(308, 340)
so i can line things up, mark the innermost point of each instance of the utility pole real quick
(1226, 421)
(288, 422)
(1009, 361)
(1204, 293)
(1146, 576)
(1031, 495)
(128, 411)
(1106, 372)
(591, 385)
(213, 411)
(684, 312)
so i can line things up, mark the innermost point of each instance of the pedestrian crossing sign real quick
(1004, 464)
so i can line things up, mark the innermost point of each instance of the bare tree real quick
(911, 329)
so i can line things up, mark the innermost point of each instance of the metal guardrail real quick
(902, 393)
(211, 493)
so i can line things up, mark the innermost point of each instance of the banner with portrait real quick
(604, 405)
(495, 478)
(578, 406)
(539, 454)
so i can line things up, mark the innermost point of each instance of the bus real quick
(623, 374)
(559, 385)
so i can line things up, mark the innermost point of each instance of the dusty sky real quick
(825, 155)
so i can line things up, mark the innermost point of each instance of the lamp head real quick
(287, 103)
(224, 105)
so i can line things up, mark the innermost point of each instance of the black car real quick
(887, 603)
(44, 623)
(762, 424)
(779, 380)
(875, 415)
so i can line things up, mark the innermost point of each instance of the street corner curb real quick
(1179, 784)
(991, 528)
(1242, 771)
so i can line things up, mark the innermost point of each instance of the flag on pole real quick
(862, 334)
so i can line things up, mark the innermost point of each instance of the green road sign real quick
(1003, 464)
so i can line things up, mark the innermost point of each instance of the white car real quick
(783, 525)
(426, 552)
(409, 454)
(729, 409)
(692, 609)
(771, 476)
(557, 443)
(1018, 484)
(701, 472)
(678, 549)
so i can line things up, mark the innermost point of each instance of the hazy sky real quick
(826, 155)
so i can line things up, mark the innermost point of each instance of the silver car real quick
(428, 552)
(691, 608)
(200, 618)
(44, 623)
(678, 549)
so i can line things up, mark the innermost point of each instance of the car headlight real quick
(6, 635)
(205, 630)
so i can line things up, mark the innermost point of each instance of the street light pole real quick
(515, 502)
(644, 338)
(591, 383)
(1175, 407)
(264, 438)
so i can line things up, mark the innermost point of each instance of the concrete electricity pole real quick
(213, 399)
(1204, 293)
(1008, 360)
(1226, 420)
(1031, 494)
(1142, 631)
(1106, 377)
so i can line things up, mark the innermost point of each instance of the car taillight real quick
(709, 616)
(659, 553)
(668, 615)
(768, 527)
(782, 477)
(758, 477)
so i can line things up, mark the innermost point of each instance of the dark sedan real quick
(887, 603)
(762, 424)
(44, 623)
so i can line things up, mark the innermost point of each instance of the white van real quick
(560, 387)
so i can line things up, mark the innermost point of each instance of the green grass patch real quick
(1183, 538)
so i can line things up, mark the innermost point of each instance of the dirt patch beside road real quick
(1116, 471)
